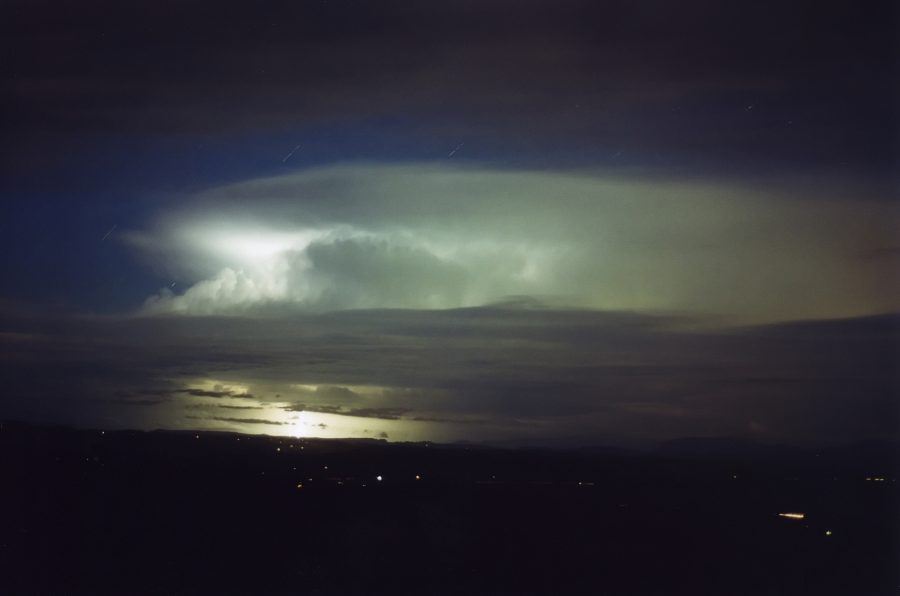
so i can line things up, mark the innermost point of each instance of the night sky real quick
(566, 222)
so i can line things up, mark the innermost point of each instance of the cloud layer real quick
(495, 373)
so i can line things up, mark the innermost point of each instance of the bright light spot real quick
(792, 515)
(251, 245)
(828, 532)
(379, 478)
(299, 485)
(418, 477)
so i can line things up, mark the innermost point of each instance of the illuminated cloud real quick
(429, 236)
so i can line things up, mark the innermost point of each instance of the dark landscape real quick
(95, 512)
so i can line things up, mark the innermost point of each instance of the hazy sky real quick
(594, 222)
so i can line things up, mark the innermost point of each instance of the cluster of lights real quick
(379, 478)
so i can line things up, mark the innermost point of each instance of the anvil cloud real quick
(435, 236)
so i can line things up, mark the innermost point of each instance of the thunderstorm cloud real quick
(433, 236)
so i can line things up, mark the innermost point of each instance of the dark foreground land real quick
(87, 512)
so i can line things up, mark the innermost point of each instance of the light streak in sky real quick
(106, 235)
(288, 156)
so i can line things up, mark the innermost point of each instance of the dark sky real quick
(569, 220)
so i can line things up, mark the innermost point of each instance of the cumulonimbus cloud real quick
(432, 236)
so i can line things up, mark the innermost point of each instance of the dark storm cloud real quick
(235, 420)
(206, 393)
(207, 406)
(322, 409)
(687, 83)
(381, 413)
(245, 420)
(493, 372)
